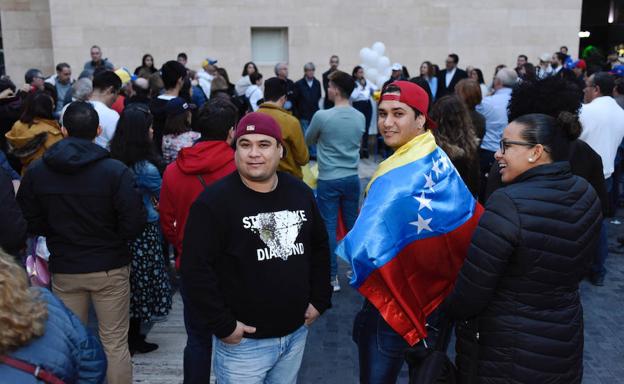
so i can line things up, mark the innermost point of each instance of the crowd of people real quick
(148, 181)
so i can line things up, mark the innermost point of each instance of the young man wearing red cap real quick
(402, 117)
(256, 261)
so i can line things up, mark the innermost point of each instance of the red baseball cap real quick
(414, 96)
(260, 123)
(580, 64)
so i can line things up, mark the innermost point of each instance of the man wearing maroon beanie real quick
(256, 261)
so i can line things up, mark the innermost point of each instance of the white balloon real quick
(372, 59)
(388, 72)
(371, 74)
(368, 57)
(379, 48)
(363, 53)
(382, 63)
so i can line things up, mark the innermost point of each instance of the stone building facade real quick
(42, 33)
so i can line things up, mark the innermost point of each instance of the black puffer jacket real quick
(519, 283)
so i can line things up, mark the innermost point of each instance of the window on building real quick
(269, 45)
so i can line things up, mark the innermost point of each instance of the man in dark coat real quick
(450, 76)
(86, 205)
(281, 71)
(333, 66)
(308, 94)
(12, 223)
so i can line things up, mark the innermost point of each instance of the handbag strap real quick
(444, 335)
(202, 181)
(34, 370)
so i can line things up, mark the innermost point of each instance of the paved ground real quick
(331, 356)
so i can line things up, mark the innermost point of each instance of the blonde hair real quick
(22, 312)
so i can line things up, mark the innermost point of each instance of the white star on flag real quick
(429, 183)
(444, 162)
(422, 224)
(436, 168)
(424, 202)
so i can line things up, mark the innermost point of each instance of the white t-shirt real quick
(603, 129)
(108, 122)
(254, 94)
(362, 93)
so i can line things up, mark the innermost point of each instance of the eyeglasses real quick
(504, 144)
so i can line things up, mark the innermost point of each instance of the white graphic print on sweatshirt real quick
(278, 231)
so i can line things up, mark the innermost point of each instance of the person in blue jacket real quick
(37, 329)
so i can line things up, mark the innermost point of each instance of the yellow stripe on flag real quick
(419, 147)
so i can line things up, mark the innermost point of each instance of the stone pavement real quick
(331, 357)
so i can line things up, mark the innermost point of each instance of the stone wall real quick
(484, 33)
(26, 37)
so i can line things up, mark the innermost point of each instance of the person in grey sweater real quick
(337, 133)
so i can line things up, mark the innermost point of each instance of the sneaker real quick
(335, 283)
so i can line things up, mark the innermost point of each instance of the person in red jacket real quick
(196, 167)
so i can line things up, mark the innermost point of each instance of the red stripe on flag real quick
(410, 287)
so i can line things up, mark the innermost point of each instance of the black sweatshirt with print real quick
(259, 258)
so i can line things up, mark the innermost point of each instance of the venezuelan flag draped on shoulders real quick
(412, 235)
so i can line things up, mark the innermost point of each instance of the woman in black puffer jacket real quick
(516, 296)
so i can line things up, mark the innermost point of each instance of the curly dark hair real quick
(549, 96)
(455, 133)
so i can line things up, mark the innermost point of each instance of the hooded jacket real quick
(85, 203)
(212, 160)
(29, 142)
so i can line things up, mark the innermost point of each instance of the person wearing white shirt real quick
(602, 120)
(494, 109)
(206, 75)
(361, 100)
(253, 93)
(544, 69)
(106, 86)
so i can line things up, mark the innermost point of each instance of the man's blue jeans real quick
(256, 361)
(331, 195)
(198, 350)
(598, 268)
(304, 127)
(381, 350)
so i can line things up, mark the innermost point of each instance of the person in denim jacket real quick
(150, 298)
(37, 329)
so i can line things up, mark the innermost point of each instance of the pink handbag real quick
(37, 266)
